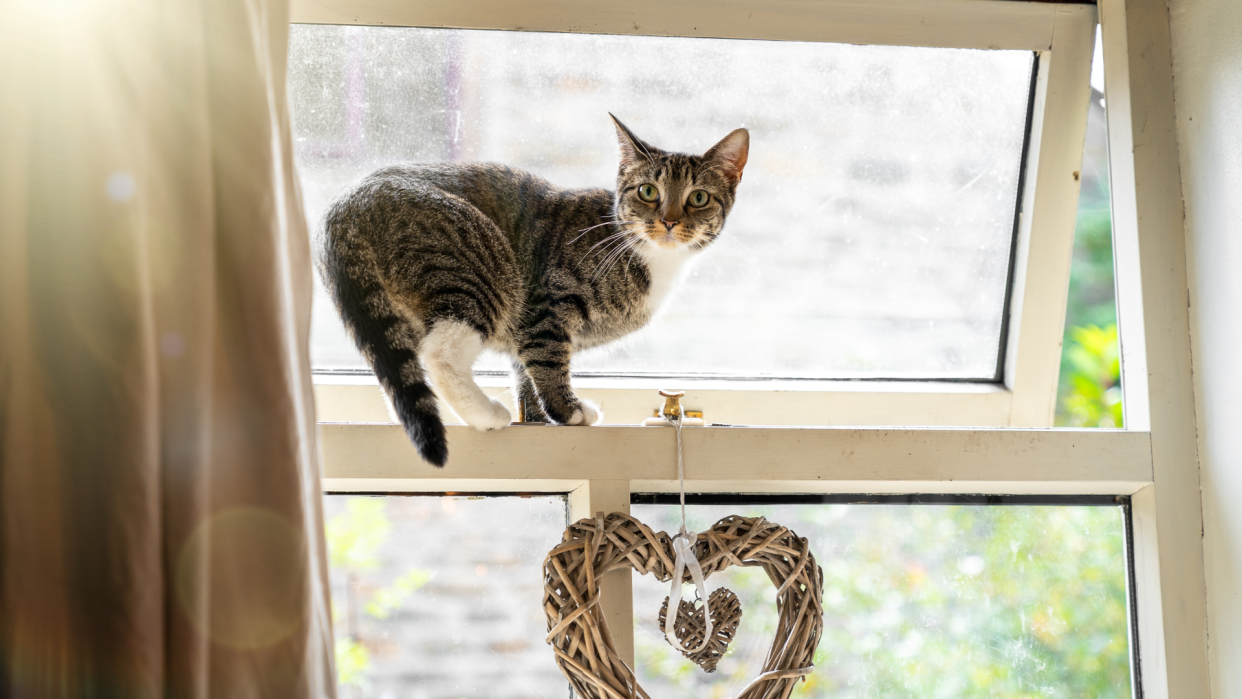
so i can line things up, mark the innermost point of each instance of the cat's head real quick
(676, 201)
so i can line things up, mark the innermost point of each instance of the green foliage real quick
(386, 599)
(355, 535)
(1089, 390)
(1091, 292)
(1093, 398)
(354, 538)
(352, 662)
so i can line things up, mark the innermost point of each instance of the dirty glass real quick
(439, 597)
(871, 235)
(1003, 602)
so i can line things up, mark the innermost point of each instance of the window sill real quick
(358, 398)
(378, 457)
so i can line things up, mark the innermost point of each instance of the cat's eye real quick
(699, 198)
(648, 192)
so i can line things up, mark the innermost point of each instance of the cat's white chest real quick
(665, 268)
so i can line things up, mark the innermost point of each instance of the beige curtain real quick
(160, 515)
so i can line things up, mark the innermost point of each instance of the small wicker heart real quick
(689, 626)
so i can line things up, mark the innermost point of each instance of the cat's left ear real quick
(634, 150)
(730, 154)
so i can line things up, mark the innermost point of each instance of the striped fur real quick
(429, 263)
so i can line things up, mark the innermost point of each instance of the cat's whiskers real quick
(613, 242)
(605, 223)
(608, 238)
(604, 267)
(615, 256)
(628, 260)
(605, 241)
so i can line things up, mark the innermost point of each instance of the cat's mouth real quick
(667, 238)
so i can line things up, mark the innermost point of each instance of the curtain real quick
(161, 530)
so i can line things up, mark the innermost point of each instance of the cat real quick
(429, 264)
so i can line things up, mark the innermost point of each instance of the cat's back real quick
(469, 180)
(514, 199)
(506, 195)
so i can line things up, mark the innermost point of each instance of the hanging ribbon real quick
(683, 548)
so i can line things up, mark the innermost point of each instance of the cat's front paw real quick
(587, 413)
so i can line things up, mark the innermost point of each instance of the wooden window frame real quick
(1152, 460)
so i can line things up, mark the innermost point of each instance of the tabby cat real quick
(431, 263)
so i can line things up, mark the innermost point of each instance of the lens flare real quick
(242, 579)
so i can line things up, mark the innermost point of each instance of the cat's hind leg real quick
(448, 353)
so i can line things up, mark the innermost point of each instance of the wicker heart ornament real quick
(689, 626)
(578, 632)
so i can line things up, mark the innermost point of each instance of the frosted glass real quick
(872, 231)
(1002, 602)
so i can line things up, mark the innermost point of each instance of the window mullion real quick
(617, 588)
(1153, 302)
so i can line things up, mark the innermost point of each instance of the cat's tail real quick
(386, 335)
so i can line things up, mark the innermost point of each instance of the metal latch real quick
(672, 407)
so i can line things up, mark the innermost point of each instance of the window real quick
(872, 235)
(882, 232)
(939, 598)
(925, 435)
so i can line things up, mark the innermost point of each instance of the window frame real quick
(1025, 396)
(1152, 460)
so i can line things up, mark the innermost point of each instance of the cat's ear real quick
(633, 149)
(730, 154)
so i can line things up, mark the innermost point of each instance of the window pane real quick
(924, 601)
(432, 599)
(872, 232)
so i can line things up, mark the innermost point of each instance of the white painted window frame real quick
(1026, 397)
(1153, 460)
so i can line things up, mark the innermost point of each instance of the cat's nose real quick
(668, 224)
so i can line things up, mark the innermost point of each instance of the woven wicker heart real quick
(689, 625)
(579, 634)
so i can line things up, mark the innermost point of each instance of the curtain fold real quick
(161, 530)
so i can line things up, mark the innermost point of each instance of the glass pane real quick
(872, 230)
(923, 601)
(431, 599)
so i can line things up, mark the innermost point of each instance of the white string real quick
(681, 469)
(683, 547)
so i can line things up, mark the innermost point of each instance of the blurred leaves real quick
(1091, 295)
(386, 599)
(1093, 379)
(356, 534)
(354, 538)
(352, 661)
(1089, 390)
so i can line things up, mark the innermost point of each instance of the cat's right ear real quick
(730, 154)
(633, 149)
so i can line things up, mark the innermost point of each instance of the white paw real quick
(588, 414)
(492, 416)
